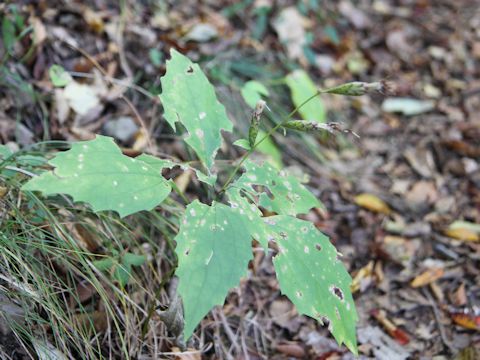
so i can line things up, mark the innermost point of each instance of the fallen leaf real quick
(466, 318)
(39, 32)
(291, 349)
(462, 233)
(190, 354)
(427, 277)
(202, 32)
(281, 312)
(372, 203)
(98, 319)
(384, 348)
(407, 107)
(81, 98)
(141, 140)
(47, 351)
(362, 278)
(400, 249)
(393, 330)
(356, 16)
(94, 20)
(61, 105)
(123, 128)
(290, 27)
(460, 295)
(422, 193)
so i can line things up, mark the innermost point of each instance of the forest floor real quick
(402, 199)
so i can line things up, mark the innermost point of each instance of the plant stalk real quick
(272, 130)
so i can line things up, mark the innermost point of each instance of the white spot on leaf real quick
(207, 261)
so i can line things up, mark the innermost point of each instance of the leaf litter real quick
(418, 154)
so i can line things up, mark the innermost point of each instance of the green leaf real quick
(5, 151)
(213, 249)
(31, 160)
(188, 97)
(289, 196)
(269, 148)
(252, 91)
(243, 143)
(167, 164)
(133, 259)
(8, 33)
(59, 76)
(244, 203)
(301, 88)
(156, 57)
(313, 278)
(122, 273)
(104, 264)
(96, 172)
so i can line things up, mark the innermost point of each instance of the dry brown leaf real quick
(94, 20)
(427, 277)
(3, 191)
(363, 277)
(466, 319)
(373, 203)
(291, 349)
(460, 295)
(190, 354)
(141, 140)
(97, 318)
(39, 32)
(393, 330)
(290, 26)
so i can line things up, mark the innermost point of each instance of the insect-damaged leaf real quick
(288, 195)
(96, 172)
(213, 249)
(188, 97)
(313, 278)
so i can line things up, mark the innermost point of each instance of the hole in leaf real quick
(269, 193)
(299, 294)
(337, 292)
(187, 252)
(190, 70)
(318, 247)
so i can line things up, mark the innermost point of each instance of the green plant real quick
(214, 239)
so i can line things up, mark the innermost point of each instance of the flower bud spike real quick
(255, 122)
(358, 88)
(313, 126)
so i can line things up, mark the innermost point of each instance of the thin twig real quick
(123, 97)
(272, 130)
(124, 83)
(436, 313)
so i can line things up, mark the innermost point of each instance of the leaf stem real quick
(272, 130)
(179, 192)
